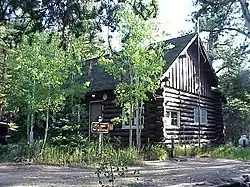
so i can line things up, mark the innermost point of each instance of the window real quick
(172, 118)
(125, 124)
(203, 116)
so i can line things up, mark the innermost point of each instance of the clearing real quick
(193, 172)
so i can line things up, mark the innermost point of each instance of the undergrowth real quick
(67, 155)
(88, 154)
(230, 152)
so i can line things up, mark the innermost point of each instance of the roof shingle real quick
(100, 80)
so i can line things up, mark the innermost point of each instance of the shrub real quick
(231, 152)
(154, 152)
(68, 155)
(187, 150)
(20, 152)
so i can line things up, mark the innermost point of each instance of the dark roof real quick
(179, 44)
(100, 80)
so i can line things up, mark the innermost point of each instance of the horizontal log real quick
(180, 98)
(213, 128)
(188, 131)
(194, 136)
(110, 116)
(193, 141)
(109, 102)
(201, 125)
(189, 106)
(107, 107)
(174, 91)
(112, 111)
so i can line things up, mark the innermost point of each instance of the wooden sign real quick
(101, 127)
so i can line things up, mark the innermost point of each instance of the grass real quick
(154, 152)
(68, 156)
(230, 152)
(89, 155)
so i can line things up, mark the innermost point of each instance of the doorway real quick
(95, 110)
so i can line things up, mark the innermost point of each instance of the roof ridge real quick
(183, 36)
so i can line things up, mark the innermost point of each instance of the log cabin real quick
(187, 108)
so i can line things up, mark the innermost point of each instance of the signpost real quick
(100, 128)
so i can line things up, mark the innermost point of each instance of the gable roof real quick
(100, 80)
(179, 45)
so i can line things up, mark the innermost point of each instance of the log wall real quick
(188, 131)
(181, 93)
(153, 112)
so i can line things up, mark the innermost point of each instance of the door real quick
(95, 111)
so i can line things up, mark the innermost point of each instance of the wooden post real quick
(172, 148)
(100, 143)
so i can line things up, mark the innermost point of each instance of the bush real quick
(20, 152)
(231, 152)
(154, 152)
(187, 150)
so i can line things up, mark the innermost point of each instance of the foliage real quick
(42, 77)
(67, 18)
(187, 150)
(21, 152)
(85, 154)
(49, 67)
(154, 152)
(229, 151)
(222, 16)
(138, 65)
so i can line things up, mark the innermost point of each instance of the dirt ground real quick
(192, 172)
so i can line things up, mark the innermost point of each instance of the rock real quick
(245, 178)
(199, 184)
(146, 183)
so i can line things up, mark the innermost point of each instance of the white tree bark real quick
(31, 135)
(246, 14)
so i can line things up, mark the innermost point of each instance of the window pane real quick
(203, 120)
(174, 118)
(203, 113)
(196, 117)
(174, 115)
(174, 121)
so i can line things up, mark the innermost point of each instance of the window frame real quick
(202, 116)
(125, 125)
(178, 118)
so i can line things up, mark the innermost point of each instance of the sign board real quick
(101, 127)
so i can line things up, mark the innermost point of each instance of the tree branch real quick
(229, 29)
(246, 14)
(221, 68)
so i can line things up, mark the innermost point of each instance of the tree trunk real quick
(246, 14)
(78, 114)
(47, 125)
(131, 130)
(140, 123)
(31, 136)
(137, 127)
(46, 131)
(28, 127)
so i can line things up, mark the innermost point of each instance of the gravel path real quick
(193, 172)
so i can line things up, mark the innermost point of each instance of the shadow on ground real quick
(193, 172)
